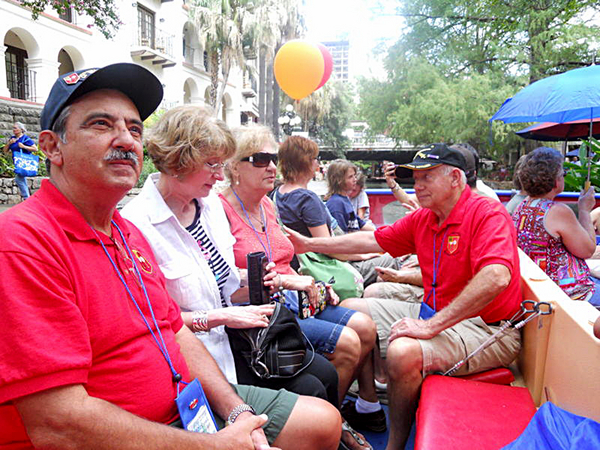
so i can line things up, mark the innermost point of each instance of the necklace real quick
(267, 247)
(259, 219)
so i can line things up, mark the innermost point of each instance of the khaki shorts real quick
(451, 345)
(398, 291)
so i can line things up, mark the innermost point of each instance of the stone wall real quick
(9, 192)
(28, 113)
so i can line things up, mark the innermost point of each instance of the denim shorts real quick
(322, 330)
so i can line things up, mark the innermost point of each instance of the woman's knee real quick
(347, 347)
(302, 431)
(366, 329)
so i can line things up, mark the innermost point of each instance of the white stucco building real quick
(155, 34)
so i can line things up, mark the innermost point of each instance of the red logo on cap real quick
(71, 79)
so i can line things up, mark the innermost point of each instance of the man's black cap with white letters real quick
(432, 156)
(139, 84)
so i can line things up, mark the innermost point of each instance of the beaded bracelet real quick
(199, 321)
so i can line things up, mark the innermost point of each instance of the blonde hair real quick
(336, 177)
(250, 139)
(296, 155)
(185, 137)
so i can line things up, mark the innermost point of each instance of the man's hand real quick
(403, 275)
(246, 433)
(413, 328)
(300, 242)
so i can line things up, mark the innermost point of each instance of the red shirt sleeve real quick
(398, 239)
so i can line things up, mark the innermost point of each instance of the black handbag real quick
(276, 351)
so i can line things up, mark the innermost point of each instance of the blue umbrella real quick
(569, 96)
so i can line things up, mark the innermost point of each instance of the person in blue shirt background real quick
(20, 141)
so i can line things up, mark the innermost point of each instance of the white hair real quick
(447, 169)
(21, 127)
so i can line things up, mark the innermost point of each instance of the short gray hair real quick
(446, 169)
(21, 127)
(60, 124)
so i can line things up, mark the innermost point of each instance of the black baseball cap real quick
(136, 82)
(432, 156)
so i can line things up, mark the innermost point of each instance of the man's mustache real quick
(119, 155)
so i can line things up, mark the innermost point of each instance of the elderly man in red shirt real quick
(466, 245)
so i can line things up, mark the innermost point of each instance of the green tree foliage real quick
(326, 114)
(534, 37)
(103, 12)
(229, 28)
(460, 59)
(577, 173)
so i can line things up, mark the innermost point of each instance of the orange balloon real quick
(299, 68)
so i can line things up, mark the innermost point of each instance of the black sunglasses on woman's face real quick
(261, 159)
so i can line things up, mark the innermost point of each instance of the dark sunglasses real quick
(262, 159)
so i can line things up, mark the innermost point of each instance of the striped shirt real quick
(217, 264)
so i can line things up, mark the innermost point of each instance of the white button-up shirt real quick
(190, 281)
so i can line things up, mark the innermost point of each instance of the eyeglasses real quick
(215, 167)
(262, 159)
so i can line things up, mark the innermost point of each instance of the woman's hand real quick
(272, 279)
(389, 172)
(333, 297)
(302, 283)
(411, 205)
(251, 316)
(586, 200)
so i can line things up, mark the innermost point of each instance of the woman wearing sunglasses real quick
(342, 335)
(185, 224)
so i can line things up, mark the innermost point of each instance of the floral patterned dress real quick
(565, 269)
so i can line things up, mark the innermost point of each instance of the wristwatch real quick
(233, 415)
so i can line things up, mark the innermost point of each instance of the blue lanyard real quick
(436, 266)
(161, 345)
(268, 252)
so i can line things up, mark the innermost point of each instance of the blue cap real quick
(139, 84)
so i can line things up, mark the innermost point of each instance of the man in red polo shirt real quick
(93, 350)
(466, 245)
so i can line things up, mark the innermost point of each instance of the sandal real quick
(358, 440)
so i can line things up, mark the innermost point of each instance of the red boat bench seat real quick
(501, 375)
(455, 413)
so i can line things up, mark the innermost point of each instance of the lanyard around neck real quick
(267, 248)
(437, 258)
(161, 344)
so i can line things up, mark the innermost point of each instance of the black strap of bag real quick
(277, 351)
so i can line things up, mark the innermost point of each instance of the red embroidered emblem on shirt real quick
(144, 263)
(452, 244)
